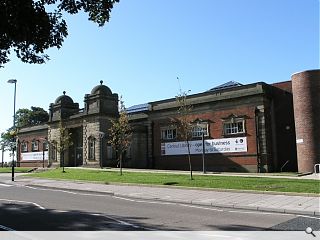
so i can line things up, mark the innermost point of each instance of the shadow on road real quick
(24, 217)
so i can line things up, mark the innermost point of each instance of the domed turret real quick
(102, 90)
(101, 101)
(64, 99)
(62, 108)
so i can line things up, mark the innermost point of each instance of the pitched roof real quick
(138, 108)
(226, 85)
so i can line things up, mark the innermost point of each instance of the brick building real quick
(244, 128)
(247, 128)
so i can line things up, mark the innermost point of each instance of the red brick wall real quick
(306, 100)
(29, 138)
(242, 162)
(286, 86)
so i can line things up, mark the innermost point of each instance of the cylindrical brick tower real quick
(306, 102)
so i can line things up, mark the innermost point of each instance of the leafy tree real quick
(63, 143)
(8, 139)
(120, 133)
(184, 122)
(29, 28)
(26, 117)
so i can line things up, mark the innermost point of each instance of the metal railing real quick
(317, 168)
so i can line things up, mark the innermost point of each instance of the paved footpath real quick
(271, 202)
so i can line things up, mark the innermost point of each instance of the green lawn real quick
(16, 169)
(208, 181)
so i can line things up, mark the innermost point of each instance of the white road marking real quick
(60, 211)
(165, 203)
(19, 201)
(64, 191)
(5, 185)
(6, 228)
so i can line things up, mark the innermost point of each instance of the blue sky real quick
(148, 44)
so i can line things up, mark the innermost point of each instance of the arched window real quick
(24, 146)
(35, 145)
(91, 148)
(53, 151)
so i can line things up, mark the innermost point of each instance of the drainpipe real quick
(256, 117)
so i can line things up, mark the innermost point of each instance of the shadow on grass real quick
(170, 183)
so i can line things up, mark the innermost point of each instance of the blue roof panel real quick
(138, 108)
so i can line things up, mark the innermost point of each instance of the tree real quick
(184, 122)
(8, 139)
(63, 143)
(29, 28)
(26, 117)
(120, 133)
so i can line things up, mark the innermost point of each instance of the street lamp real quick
(44, 148)
(14, 121)
(101, 136)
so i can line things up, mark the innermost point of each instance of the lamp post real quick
(203, 153)
(14, 121)
(199, 124)
(2, 151)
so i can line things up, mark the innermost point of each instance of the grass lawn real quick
(208, 181)
(16, 169)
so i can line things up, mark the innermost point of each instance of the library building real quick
(256, 127)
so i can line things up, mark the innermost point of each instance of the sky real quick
(148, 44)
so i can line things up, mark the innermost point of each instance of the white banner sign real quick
(34, 156)
(223, 145)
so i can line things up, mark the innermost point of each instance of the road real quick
(26, 208)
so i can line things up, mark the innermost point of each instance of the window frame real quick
(231, 127)
(24, 146)
(35, 145)
(168, 133)
(91, 148)
(199, 128)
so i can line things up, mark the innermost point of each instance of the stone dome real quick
(64, 99)
(101, 89)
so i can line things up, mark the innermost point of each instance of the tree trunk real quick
(120, 162)
(189, 158)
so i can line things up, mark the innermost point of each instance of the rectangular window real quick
(168, 133)
(234, 127)
(198, 129)
(24, 147)
(35, 146)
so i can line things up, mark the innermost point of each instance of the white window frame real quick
(232, 127)
(45, 146)
(24, 147)
(168, 133)
(198, 129)
(35, 146)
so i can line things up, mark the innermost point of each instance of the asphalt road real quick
(34, 209)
